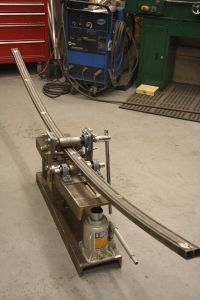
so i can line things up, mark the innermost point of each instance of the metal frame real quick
(70, 230)
(170, 239)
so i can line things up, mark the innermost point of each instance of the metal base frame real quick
(70, 229)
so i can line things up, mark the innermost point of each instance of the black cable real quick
(56, 89)
(123, 48)
(117, 52)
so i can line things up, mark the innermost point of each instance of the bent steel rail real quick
(173, 241)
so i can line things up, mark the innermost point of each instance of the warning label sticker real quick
(101, 239)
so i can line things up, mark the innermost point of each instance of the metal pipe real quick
(21, 4)
(181, 2)
(22, 14)
(21, 25)
(102, 138)
(70, 141)
(107, 152)
(22, 42)
(169, 238)
(50, 23)
(123, 243)
(52, 20)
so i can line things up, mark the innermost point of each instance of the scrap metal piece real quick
(175, 242)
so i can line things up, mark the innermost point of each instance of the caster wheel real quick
(40, 67)
(93, 91)
(73, 91)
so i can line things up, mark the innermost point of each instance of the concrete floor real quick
(155, 164)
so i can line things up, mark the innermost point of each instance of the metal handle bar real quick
(181, 2)
(21, 4)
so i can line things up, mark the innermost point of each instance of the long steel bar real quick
(124, 244)
(107, 152)
(51, 13)
(181, 1)
(158, 231)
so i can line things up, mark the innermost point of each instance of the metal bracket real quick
(196, 9)
(65, 173)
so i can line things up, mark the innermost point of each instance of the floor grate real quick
(181, 101)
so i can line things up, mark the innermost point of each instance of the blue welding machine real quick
(94, 36)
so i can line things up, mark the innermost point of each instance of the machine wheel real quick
(93, 91)
(40, 67)
(73, 91)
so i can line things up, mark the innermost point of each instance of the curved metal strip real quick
(155, 229)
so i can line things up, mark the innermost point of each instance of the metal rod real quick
(21, 4)
(107, 152)
(181, 1)
(169, 238)
(51, 13)
(50, 23)
(22, 42)
(21, 25)
(22, 14)
(124, 243)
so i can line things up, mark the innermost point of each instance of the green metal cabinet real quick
(169, 20)
(153, 55)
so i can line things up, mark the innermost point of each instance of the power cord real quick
(56, 89)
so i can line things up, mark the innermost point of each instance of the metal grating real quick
(181, 101)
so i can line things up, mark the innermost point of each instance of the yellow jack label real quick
(101, 239)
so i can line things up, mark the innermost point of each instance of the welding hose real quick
(117, 52)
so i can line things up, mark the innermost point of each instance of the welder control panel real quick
(152, 7)
(87, 32)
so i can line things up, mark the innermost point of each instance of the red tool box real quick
(24, 25)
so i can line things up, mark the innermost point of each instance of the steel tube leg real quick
(107, 151)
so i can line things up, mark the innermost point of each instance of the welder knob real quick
(145, 8)
(196, 8)
(88, 25)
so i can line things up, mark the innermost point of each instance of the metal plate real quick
(178, 100)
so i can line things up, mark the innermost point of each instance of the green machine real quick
(163, 23)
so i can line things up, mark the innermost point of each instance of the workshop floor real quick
(155, 164)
